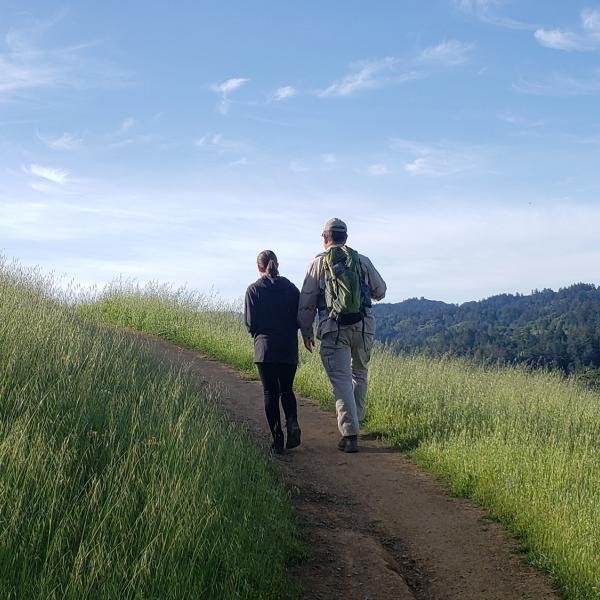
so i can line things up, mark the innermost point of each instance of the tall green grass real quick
(118, 479)
(525, 445)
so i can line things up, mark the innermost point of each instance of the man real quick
(346, 343)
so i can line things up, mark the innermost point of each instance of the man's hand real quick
(309, 343)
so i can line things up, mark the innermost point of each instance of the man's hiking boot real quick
(348, 443)
(293, 434)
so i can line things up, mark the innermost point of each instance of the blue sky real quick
(459, 139)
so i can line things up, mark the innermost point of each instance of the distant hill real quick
(559, 330)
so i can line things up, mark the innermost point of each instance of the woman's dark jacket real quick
(271, 312)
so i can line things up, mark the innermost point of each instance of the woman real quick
(271, 308)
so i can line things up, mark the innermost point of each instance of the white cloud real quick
(29, 65)
(123, 128)
(378, 169)
(476, 5)
(451, 52)
(28, 219)
(520, 247)
(439, 164)
(226, 144)
(225, 88)
(130, 141)
(328, 159)
(557, 39)
(587, 38)
(284, 92)
(125, 134)
(52, 174)
(486, 11)
(590, 20)
(298, 167)
(432, 166)
(229, 85)
(18, 74)
(366, 75)
(221, 144)
(66, 141)
(374, 74)
(436, 160)
(513, 119)
(410, 146)
(240, 162)
(559, 84)
(126, 125)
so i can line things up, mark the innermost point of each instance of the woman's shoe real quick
(277, 445)
(276, 450)
(293, 434)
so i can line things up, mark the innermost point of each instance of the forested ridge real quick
(559, 330)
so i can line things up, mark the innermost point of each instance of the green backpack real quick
(346, 296)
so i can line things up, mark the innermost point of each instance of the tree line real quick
(557, 330)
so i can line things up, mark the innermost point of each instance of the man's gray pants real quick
(346, 363)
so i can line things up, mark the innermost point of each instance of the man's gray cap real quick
(335, 225)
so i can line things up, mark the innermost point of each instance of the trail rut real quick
(377, 528)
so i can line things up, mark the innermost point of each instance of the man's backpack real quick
(346, 294)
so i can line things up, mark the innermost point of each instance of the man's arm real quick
(307, 306)
(377, 285)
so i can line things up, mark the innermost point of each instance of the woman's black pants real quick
(278, 382)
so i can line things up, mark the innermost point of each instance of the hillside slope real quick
(544, 329)
(118, 478)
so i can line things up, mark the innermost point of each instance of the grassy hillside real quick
(524, 445)
(117, 479)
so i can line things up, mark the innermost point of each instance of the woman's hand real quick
(309, 343)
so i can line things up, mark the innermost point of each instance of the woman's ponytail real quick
(267, 264)
(272, 270)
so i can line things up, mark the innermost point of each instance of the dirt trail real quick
(377, 527)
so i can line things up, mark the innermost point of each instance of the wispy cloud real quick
(437, 160)
(128, 124)
(587, 37)
(378, 169)
(559, 84)
(487, 11)
(513, 119)
(128, 134)
(52, 174)
(559, 40)
(371, 74)
(298, 167)
(433, 165)
(28, 64)
(66, 141)
(383, 72)
(220, 143)
(225, 88)
(130, 141)
(284, 92)
(227, 144)
(449, 53)
(240, 162)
